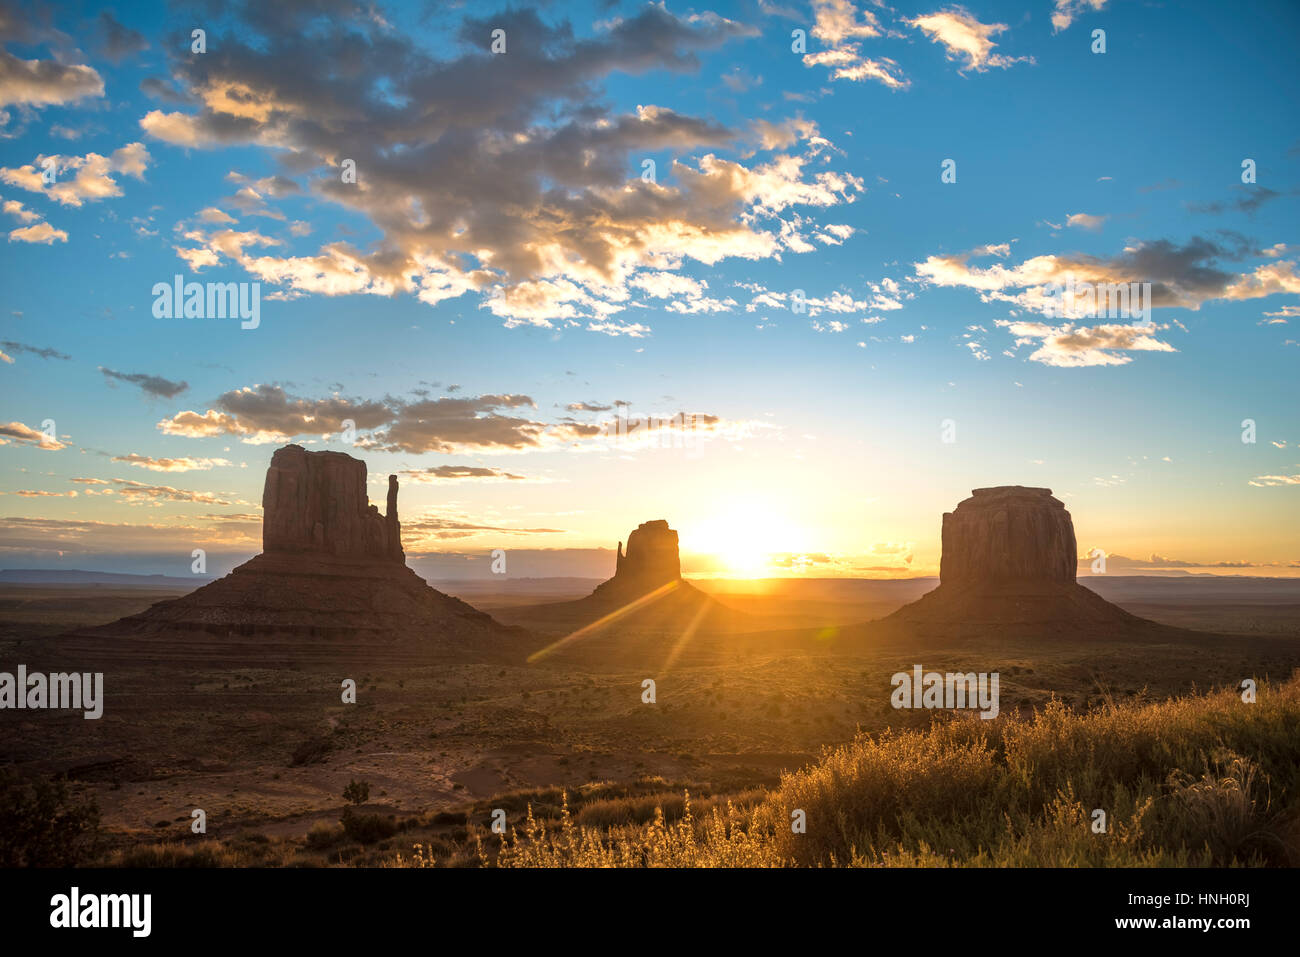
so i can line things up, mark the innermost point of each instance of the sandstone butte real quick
(644, 608)
(331, 578)
(1008, 569)
(651, 561)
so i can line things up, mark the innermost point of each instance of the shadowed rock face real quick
(1008, 533)
(650, 562)
(632, 612)
(317, 502)
(332, 580)
(651, 557)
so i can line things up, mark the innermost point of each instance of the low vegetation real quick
(1200, 780)
(42, 824)
(1205, 780)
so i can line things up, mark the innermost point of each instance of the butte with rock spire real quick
(331, 578)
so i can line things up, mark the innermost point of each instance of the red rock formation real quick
(317, 502)
(633, 612)
(332, 580)
(651, 557)
(1008, 533)
(1008, 568)
(394, 527)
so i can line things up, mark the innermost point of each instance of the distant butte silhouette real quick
(332, 570)
(646, 603)
(651, 561)
(1008, 568)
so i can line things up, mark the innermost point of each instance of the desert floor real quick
(267, 751)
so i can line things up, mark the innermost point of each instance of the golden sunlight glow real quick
(744, 537)
(647, 599)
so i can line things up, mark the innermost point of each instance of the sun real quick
(745, 536)
(745, 557)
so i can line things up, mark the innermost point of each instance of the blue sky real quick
(501, 258)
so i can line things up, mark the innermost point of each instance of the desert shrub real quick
(323, 836)
(357, 792)
(207, 854)
(244, 850)
(1226, 813)
(723, 839)
(516, 802)
(631, 810)
(448, 817)
(421, 857)
(367, 828)
(1021, 790)
(427, 854)
(42, 825)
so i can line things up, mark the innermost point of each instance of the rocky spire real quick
(394, 526)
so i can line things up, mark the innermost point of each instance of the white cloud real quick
(838, 20)
(965, 38)
(16, 209)
(213, 215)
(1268, 481)
(92, 178)
(18, 432)
(634, 330)
(668, 285)
(1086, 221)
(1071, 346)
(840, 25)
(1066, 11)
(40, 233)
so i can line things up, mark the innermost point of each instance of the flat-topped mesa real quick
(317, 502)
(1009, 533)
(651, 560)
(1008, 570)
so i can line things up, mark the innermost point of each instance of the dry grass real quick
(1203, 780)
